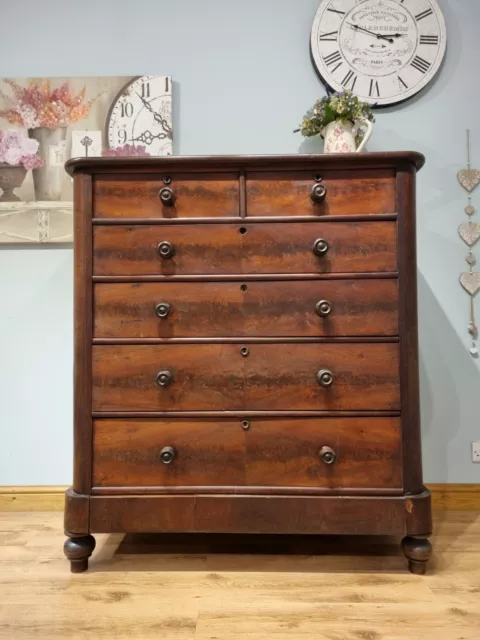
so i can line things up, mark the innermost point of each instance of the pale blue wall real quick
(243, 79)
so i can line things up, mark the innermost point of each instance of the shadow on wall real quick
(449, 389)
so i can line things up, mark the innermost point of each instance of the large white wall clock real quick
(385, 51)
(141, 114)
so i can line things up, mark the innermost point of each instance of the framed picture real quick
(45, 121)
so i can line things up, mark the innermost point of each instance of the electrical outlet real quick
(475, 451)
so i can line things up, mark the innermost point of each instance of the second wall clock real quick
(385, 51)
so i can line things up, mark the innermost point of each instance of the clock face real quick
(141, 114)
(385, 51)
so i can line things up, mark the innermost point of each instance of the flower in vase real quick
(127, 150)
(16, 148)
(37, 105)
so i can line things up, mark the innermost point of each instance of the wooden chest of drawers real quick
(246, 349)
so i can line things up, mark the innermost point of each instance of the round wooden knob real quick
(167, 455)
(163, 309)
(328, 455)
(318, 193)
(325, 378)
(320, 247)
(163, 378)
(167, 197)
(165, 250)
(323, 308)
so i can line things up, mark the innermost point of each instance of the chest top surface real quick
(371, 160)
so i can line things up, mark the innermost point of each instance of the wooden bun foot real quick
(418, 552)
(78, 551)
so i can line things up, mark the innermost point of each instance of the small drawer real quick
(256, 309)
(256, 377)
(327, 453)
(306, 193)
(245, 248)
(170, 196)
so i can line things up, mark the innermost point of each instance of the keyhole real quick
(243, 230)
(243, 287)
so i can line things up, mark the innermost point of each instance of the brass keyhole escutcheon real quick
(243, 230)
(243, 287)
(245, 425)
(244, 351)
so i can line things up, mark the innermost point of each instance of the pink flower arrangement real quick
(16, 148)
(37, 105)
(127, 150)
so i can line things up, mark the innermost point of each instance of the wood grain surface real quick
(200, 195)
(282, 377)
(271, 377)
(348, 192)
(271, 452)
(215, 309)
(259, 248)
(217, 513)
(197, 587)
(205, 377)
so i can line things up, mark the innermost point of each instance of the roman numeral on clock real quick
(329, 37)
(424, 14)
(374, 88)
(402, 83)
(420, 64)
(340, 13)
(332, 58)
(429, 39)
(350, 77)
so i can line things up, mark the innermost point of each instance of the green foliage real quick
(338, 106)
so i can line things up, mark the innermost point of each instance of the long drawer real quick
(263, 377)
(257, 309)
(245, 248)
(293, 452)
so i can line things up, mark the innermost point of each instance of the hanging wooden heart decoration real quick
(470, 282)
(469, 233)
(469, 179)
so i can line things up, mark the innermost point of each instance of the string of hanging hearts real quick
(470, 232)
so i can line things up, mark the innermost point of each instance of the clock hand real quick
(375, 35)
(147, 137)
(157, 117)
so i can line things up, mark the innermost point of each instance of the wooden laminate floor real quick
(155, 587)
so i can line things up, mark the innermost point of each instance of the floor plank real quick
(230, 587)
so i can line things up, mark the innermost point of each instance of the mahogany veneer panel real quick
(202, 195)
(272, 452)
(245, 248)
(218, 377)
(288, 193)
(216, 309)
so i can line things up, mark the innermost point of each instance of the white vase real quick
(340, 136)
(48, 180)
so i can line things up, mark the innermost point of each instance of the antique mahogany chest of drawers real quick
(246, 348)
